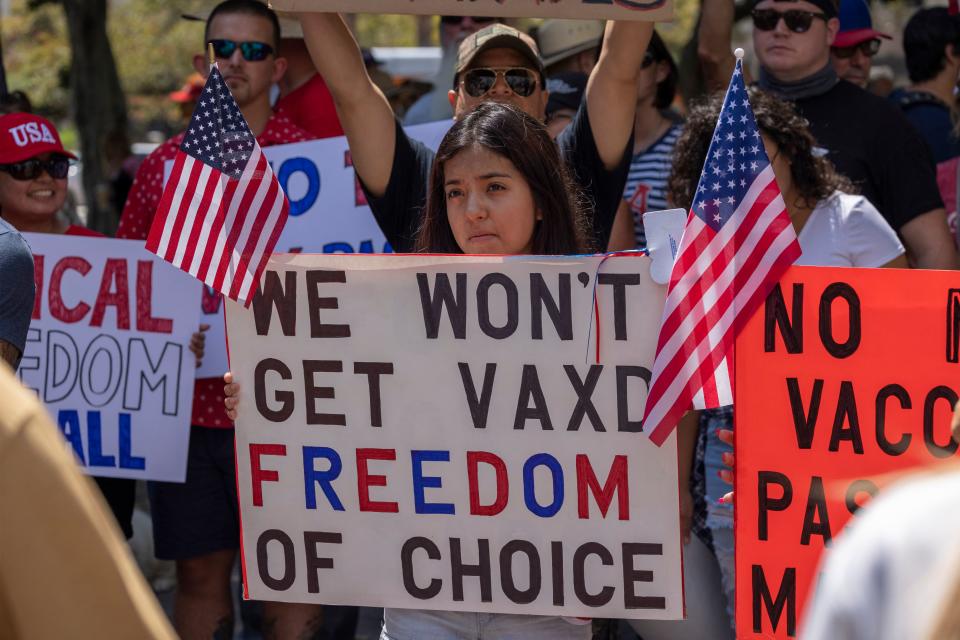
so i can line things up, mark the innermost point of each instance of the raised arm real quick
(612, 88)
(365, 114)
(715, 41)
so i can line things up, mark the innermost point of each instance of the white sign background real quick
(84, 372)
(424, 407)
(658, 10)
(327, 215)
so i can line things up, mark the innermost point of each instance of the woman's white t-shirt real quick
(847, 231)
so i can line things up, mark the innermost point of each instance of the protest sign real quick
(653, 10)
(107, 352)
(328, 214)
(445, 432)
(843, 379)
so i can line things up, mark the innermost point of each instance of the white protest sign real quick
(107, 352)
(403, 417)
(659, 10)
(328, 214)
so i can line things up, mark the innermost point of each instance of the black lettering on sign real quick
(632, 575)
(483, 306)
(831, 293)
(312, 392)
(480, 570)
(314, 562)
(816, 519)
(804, 421)
(619, 282)
(509, 585)
(406, 563)
(929, 405)
(953, 325)
(624, 373)
(561, 314)
(790, 326)
(767, 503)
(580, 556)
(556, 563)
(786, 600)
(285, 398)
(846, 414)
(442, 297)
(584, 390)
(530, 389)
(479, 405)
(283, 298)
(856, 488)
(900, 446)
(285, 581)
(373, 371)
(318, 329)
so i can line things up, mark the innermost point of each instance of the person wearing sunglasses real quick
(196, 523)
(434, 105)
(856, 43)
(500, 64)
(868, 140)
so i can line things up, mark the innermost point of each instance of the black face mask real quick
(814, 85)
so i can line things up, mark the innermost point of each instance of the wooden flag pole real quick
(210, 56)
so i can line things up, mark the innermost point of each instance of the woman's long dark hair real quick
(814, 177)
(516, 136)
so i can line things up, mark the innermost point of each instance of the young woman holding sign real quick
(834, 227)
(33, 188)
(497, 186)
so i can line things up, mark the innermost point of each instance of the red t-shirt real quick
(74, 230)
(142, 202)
(311, 107)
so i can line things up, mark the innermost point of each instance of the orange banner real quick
(844, 379)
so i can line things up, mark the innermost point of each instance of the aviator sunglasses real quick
(796, 20)
(57, 167)
(477, 82)
(868, 48)
(251, 51)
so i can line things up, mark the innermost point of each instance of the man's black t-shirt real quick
(400, 209)
(871, 142)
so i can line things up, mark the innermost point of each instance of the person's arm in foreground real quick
(64, 570)
(622, 236)
(612, 88)
(365, 114)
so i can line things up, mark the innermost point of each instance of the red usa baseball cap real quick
(26, 135)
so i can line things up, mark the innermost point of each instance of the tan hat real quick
(561, 39)
(498, 36)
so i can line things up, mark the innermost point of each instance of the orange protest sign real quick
(844, 379)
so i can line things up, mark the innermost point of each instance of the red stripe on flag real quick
(257, 227)
(188, 181)
(271, 243)
(163, 210)
(236, 226)
(203, 211)
(221, 215)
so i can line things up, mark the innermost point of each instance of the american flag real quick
(737, 242)
(222, 210)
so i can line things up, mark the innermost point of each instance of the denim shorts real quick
(416, 624)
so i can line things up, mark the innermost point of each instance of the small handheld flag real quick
(737, 242)
(222, 209)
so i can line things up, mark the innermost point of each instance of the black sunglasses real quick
(868, 48)
(57, 167)
(477, 82)
(796, 20)
(251, 51)
(460, 19)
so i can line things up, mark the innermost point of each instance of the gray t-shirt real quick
(16, 287)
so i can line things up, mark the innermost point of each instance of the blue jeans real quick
(417, 624)
(719, 516)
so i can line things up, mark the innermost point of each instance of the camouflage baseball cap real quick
(498, 36)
